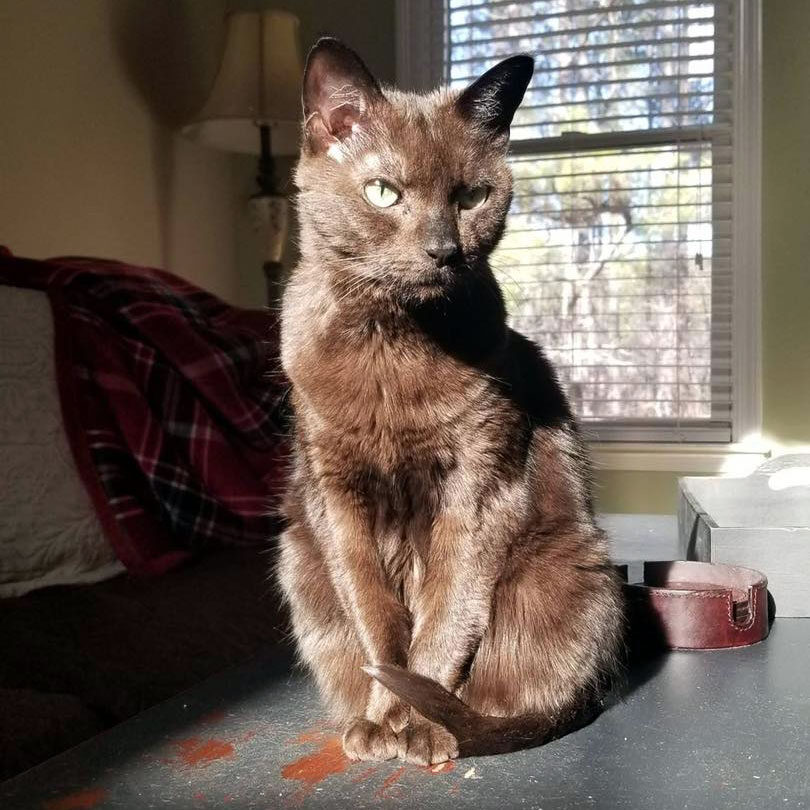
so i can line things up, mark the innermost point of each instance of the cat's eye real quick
(380, 194)
(469, 198)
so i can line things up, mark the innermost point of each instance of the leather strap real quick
(699, 606)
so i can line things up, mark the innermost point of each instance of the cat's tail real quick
(479, 734)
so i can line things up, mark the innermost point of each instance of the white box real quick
(761, 521)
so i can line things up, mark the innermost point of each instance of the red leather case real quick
(699, 606)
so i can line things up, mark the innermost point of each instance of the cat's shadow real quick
(646, 647)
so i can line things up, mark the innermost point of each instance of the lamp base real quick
(270, 215)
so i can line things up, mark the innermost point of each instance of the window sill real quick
(711, 459)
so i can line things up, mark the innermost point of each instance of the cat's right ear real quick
(338, 92)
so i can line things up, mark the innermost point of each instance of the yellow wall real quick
(638, 492)
(786, 222)
(89, 163)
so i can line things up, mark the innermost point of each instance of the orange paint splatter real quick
(329, 759)
(389, 783)
(312, 769)
(81, 800)
(194, 752)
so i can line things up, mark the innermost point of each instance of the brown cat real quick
(440, 518)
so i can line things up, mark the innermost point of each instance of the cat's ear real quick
(338, 92)
(491, 101)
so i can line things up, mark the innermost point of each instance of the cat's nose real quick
(442, 252)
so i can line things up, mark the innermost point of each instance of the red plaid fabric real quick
(174, 405)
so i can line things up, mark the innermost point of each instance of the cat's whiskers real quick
(500, 271)
(351, 286)
(348, 291)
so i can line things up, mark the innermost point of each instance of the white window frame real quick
(420, 53)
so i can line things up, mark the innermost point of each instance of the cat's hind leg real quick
(553, 641)
(328, 645)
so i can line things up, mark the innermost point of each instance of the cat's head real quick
(400, 193)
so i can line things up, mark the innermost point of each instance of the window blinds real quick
(617, 256)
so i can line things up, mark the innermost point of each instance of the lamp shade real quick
(259, 83)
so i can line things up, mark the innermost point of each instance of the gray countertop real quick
(721, 729)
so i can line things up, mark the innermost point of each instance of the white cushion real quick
(49, 533)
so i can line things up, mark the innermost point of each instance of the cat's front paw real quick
(369, 741)
(426, 743)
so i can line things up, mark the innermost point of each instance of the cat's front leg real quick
(381, 621)
(450, 617)
(453, 606)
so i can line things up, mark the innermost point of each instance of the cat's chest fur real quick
(386, 390)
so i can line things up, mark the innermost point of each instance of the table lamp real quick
(254, 107)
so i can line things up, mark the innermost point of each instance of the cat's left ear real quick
(338, 92)
(491, 101)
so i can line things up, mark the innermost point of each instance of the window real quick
(631, 250)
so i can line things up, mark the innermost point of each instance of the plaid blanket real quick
(173, 403)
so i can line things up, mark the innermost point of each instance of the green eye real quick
(380, 194)
(472, 197)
